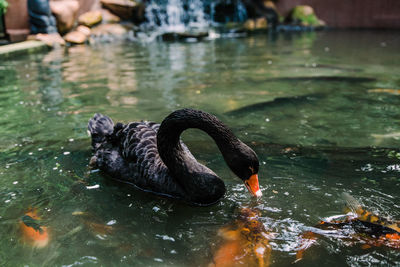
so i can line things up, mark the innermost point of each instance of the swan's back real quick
(128, 153)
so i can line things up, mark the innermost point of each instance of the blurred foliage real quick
(3, 6)
(394, 154)
(305, 15)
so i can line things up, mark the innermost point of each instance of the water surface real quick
(317, 135)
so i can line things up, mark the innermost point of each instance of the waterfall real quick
(190, 15)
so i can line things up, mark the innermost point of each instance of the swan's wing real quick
(138, 146)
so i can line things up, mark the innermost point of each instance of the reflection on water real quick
(311, 149)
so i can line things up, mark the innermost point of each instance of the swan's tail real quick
(99, 127)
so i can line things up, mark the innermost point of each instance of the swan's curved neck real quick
(168, 137)
(201, 184)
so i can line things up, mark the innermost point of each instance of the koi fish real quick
(369, 229)
(368, 217)
(93, 224)
(32, 231)
(385, 90)
(245, 242)
(276, 103)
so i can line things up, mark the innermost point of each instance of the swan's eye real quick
(252, 170)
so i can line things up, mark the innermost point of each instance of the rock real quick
(261, 23)
(51, 40)
(175, 36)
(232, 29)
(109, 29)
(125, 9)
(83, 29)
(90, 18)
(75, 37)
(256, 24)
(65, 12)
(321, 23)
(270, 4)
(17, 35)
(109, 17)
(261, 8)
(250, 25)
(304, 16)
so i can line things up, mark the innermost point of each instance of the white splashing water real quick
(171, 16)
(183, 15)
(174, 18)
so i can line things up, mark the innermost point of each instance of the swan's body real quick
(152, 157)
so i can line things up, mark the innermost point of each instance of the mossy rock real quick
(304, 16)
(90, 18)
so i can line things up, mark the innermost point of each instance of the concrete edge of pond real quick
(21, 48)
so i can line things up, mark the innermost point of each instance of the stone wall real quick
(351, 13)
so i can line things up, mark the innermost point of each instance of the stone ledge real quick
(22, 48)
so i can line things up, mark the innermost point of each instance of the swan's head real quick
(244, 163)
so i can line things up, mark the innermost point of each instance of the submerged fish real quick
(394, 135)
(277, 102)
(367, 229)
(33, 232)
(245, 242)
(93, 224)
(385, 90)
(333, 67)
(348, 79)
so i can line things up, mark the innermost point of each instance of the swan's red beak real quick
(253, 186)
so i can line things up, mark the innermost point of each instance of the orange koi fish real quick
(245, 242)
(32, 231)
(385, 90)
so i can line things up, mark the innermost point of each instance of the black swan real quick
(151, 156)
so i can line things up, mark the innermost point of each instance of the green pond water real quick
(317, 135)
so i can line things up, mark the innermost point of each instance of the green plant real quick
(305, 15)
(3, 6)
